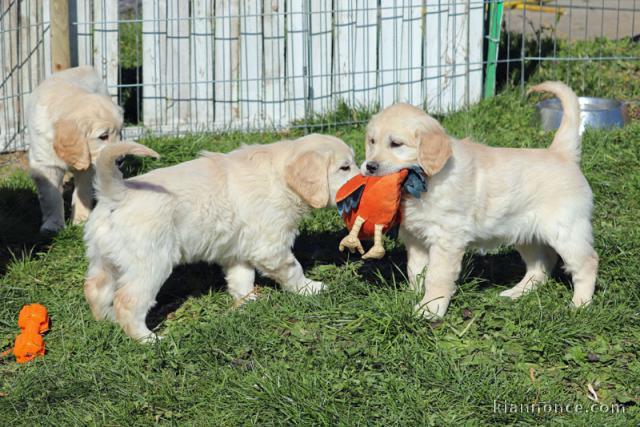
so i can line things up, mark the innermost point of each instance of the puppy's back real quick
(85, 78)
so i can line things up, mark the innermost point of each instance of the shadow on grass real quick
(488, 271)
(186, 281)
(20, 220)
(194, 280)
(502, 269)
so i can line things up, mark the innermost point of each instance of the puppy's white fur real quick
(70, 117)
(240, 210)
(483, 197)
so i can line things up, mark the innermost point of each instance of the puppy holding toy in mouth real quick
(484, 197)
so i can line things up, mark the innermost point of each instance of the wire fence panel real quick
(275, 111)
(83, 29)
(201, 62)
(319, 54)
(411, 53)
(215, 65)
(9, 109)
(105, 43)
(251, 69)
(473, 62)
(296, 54)
(365, 54)
(177, 73)
(227, 63)
(345, 23)
(166, 65)
(25, 61)
(154, 45)
(452, 54)
(211, 65)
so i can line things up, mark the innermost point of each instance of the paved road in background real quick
(582, 19)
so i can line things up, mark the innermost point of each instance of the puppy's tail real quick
(567, 138)
(109, 183)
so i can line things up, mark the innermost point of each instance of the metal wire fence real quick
(215, 65)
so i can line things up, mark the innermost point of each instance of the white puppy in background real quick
(483, 197)
(240, 210)
(70, 117)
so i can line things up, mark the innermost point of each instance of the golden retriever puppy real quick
(483, 197)
(240, 210)
(70, 117)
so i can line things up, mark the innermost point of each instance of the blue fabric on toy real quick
(416, 182)
(351, 202)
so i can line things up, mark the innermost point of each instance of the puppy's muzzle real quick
(372, 167)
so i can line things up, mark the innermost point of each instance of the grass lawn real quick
(354, 354)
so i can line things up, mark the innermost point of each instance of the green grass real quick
(593, 77)
(354, 354)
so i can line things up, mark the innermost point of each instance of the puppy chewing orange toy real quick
(33, 321)
(370, 206)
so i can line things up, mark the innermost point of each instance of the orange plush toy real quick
(33, 321)
(370, 206)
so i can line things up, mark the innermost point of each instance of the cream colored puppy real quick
(483, 197)
(240, 210)
(70, 117)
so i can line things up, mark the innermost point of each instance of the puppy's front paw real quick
(80, 218)
(513, 293)
(432, 310)
(311, 287)
(579, 302)
(150, 338)
(251, 296)
(79, 213)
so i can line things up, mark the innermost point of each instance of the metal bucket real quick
(600, 113)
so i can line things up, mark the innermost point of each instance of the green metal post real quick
(495, 25)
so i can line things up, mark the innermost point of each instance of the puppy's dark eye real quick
(395, 144)
(372, 141)
(103, 137)
(345, 168)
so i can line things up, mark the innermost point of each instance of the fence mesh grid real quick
(215, 65)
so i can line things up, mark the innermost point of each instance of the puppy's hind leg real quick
(540, 260)
(99, 288)
(288, 273)
(135, 296)
(580, 260)
(583, 271)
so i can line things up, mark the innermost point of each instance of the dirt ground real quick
(581, 20)
(10, 162)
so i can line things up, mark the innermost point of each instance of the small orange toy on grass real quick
(33, 321)
(371, 205)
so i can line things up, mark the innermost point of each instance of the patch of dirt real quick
(11, 162)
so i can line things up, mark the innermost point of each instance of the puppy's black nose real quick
(372, 167)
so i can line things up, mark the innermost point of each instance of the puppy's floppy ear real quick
(434, 149)
(307, 176)
(70, 145)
